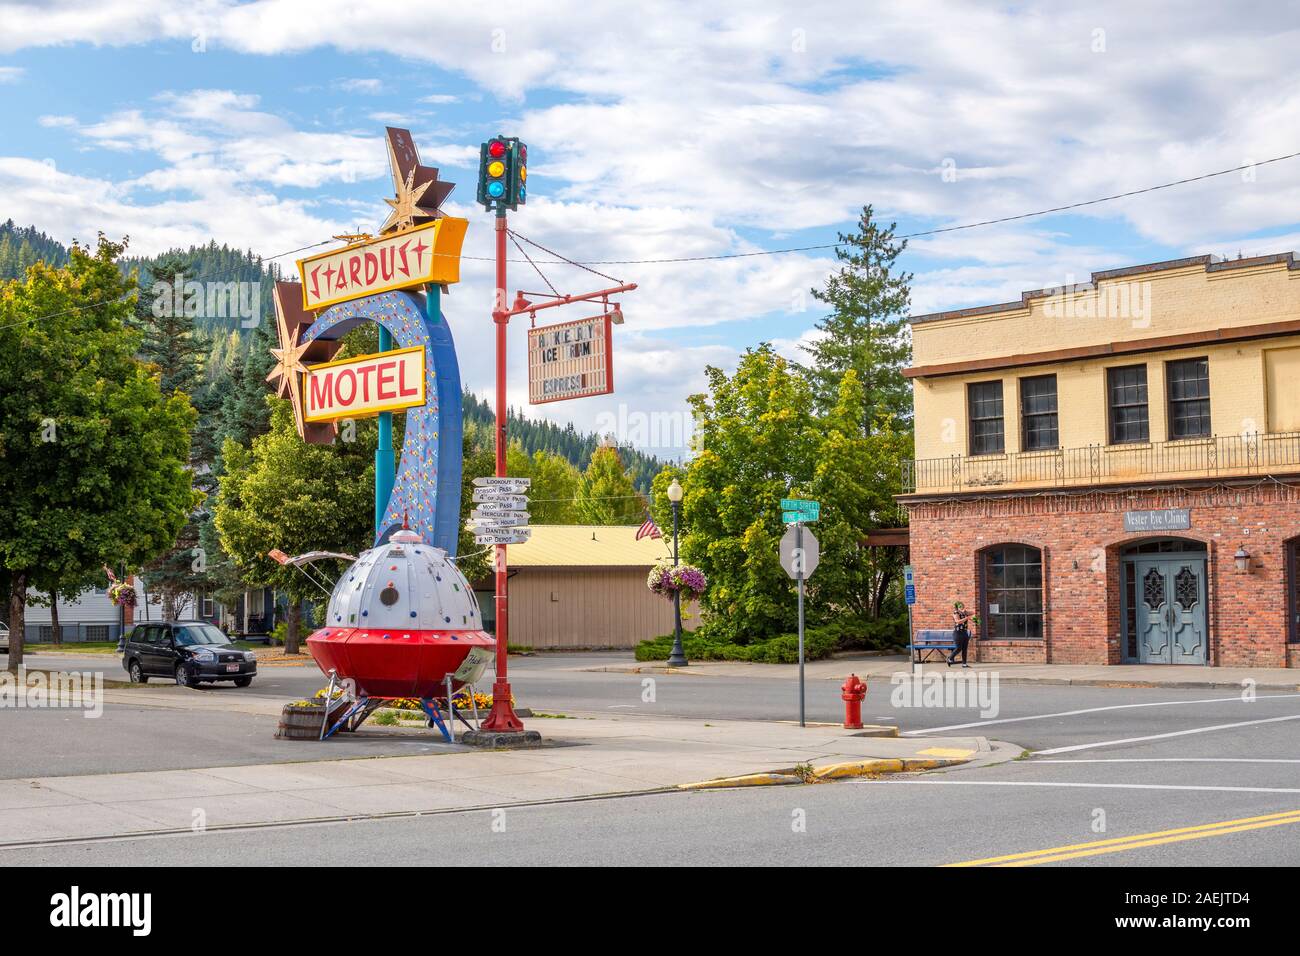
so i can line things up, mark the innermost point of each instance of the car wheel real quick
(137, 673)
(243, 681)
(183, 676)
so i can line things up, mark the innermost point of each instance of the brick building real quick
(1110, 472)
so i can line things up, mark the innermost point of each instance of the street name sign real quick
(797, 509)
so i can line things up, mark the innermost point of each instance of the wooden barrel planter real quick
(303, 723)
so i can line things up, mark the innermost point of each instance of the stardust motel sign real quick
(570, 360)
(425, 255)
(363, 386)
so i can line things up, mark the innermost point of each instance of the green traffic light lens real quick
(495, 190)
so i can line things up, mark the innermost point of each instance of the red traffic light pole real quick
(502, 185)
(502, 717)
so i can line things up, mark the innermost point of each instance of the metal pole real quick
(502, 715)
(678, 657)
(798, 547)
(385, 470)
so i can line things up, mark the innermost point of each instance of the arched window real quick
(1012, 582)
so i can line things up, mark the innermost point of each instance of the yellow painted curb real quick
(748, 780)
(870, 768)
(835, 771)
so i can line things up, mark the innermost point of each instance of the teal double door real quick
(1171, 609)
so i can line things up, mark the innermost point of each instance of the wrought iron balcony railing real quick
(1254, 453)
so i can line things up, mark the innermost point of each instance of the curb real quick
(835, 771)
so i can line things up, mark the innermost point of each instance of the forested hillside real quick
(224, 343)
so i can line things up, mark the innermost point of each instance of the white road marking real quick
(1176, 760)
(1175, 733)
(1092, 710)
(900, 781)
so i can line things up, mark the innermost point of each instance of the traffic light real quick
(502, 173)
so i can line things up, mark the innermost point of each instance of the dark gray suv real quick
(188, 652)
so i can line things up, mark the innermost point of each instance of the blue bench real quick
(932, 642)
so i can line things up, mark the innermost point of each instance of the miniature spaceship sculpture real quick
(400, 620)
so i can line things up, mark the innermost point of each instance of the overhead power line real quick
(586, 264)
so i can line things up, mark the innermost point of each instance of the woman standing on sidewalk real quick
(960, 633)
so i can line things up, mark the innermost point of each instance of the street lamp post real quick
(678, 657)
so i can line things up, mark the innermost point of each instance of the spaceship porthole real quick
(388, 596)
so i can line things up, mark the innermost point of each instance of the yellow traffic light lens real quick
(523, 174)
(497, 168)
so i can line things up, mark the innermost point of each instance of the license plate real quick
(232, 668)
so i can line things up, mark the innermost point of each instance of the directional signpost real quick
(500, 514)
(800, 555)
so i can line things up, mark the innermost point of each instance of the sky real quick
(660, 130)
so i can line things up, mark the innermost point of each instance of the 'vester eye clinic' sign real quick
(424, 255)
(570, 360)
(362, 386)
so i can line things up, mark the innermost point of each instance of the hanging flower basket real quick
(122, 594)
(685, 579)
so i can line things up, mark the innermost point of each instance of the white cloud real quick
(657, 130)
(11, 74)
(367, 85)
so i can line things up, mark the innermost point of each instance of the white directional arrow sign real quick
(498, 521)
(496, 497)
(517, 536)
(496, 508)
(491, 482)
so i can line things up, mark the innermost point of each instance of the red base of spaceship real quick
(400, 620)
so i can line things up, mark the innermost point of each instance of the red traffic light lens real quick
(496, 148)
(523, 153)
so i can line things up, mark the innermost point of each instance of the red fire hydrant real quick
(853, 693)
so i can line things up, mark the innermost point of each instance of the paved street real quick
(1107, 764)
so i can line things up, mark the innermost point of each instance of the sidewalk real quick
(581, 757)
(1087, 675)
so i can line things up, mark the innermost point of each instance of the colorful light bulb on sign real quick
(570, 360)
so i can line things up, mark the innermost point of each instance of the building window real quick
(1188, 385)
(1127, 387)
(1038, 413)
(97, 632)
(984, 400)
(1293, 589)
(1013, 592)
(207, 609)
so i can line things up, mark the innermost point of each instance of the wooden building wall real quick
(598, 607)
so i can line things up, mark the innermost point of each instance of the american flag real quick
(648, 529)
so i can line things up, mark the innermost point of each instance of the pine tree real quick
(169, 340)
(606, 494)
(867, 327)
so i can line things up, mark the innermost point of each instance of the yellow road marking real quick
(1156, 838)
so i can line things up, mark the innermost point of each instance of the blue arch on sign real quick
(426, 488)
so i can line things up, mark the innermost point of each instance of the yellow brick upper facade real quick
(1214, 347)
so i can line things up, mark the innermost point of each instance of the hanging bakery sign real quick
(570, 360)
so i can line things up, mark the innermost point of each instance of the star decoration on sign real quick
(418, 191)
(291, 358)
